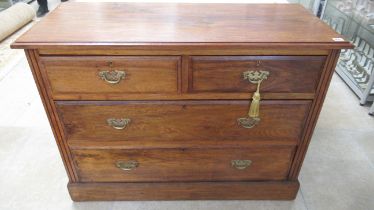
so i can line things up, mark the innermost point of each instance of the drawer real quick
(268, 163)
(287, 74)
(180, 120)
(112, 74)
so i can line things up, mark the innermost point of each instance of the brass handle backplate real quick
(255, 77)
(127, 165)
(241, 164)
(248, 122)
(112, 77)
(118, 124)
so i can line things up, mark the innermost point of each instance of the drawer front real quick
(180, 120)
(287, 74)
(112, 74)
(183, 164)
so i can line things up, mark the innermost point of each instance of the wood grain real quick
(288, 74)
(32, 57)
(79, 74)
(182, 121)
(183, 93)
(177, 96)
(194, 144)
(282, 190)
(314, 113)
(132, 23)
(206, 49)
(168, 165)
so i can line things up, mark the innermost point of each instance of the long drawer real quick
(266, 163)
(112, 74)
(287, 74)
(180, 120)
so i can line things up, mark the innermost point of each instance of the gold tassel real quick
(254, 109)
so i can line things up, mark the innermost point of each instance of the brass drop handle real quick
(112, 77)
(118, 124)
(127, 165)
(255, 77)
(241, 164)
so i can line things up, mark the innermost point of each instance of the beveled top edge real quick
(103, 46)
(139, 24)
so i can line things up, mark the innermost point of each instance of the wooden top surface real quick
(87, 24)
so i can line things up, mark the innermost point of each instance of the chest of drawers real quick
(182, 101)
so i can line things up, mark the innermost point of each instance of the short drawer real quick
(287, 74)
(112, 74)
(180, 120)
(183, 164)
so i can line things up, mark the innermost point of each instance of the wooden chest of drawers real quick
(182, 101)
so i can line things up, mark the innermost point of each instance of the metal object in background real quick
(355, 20)
(371, 111)
(312, 5)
